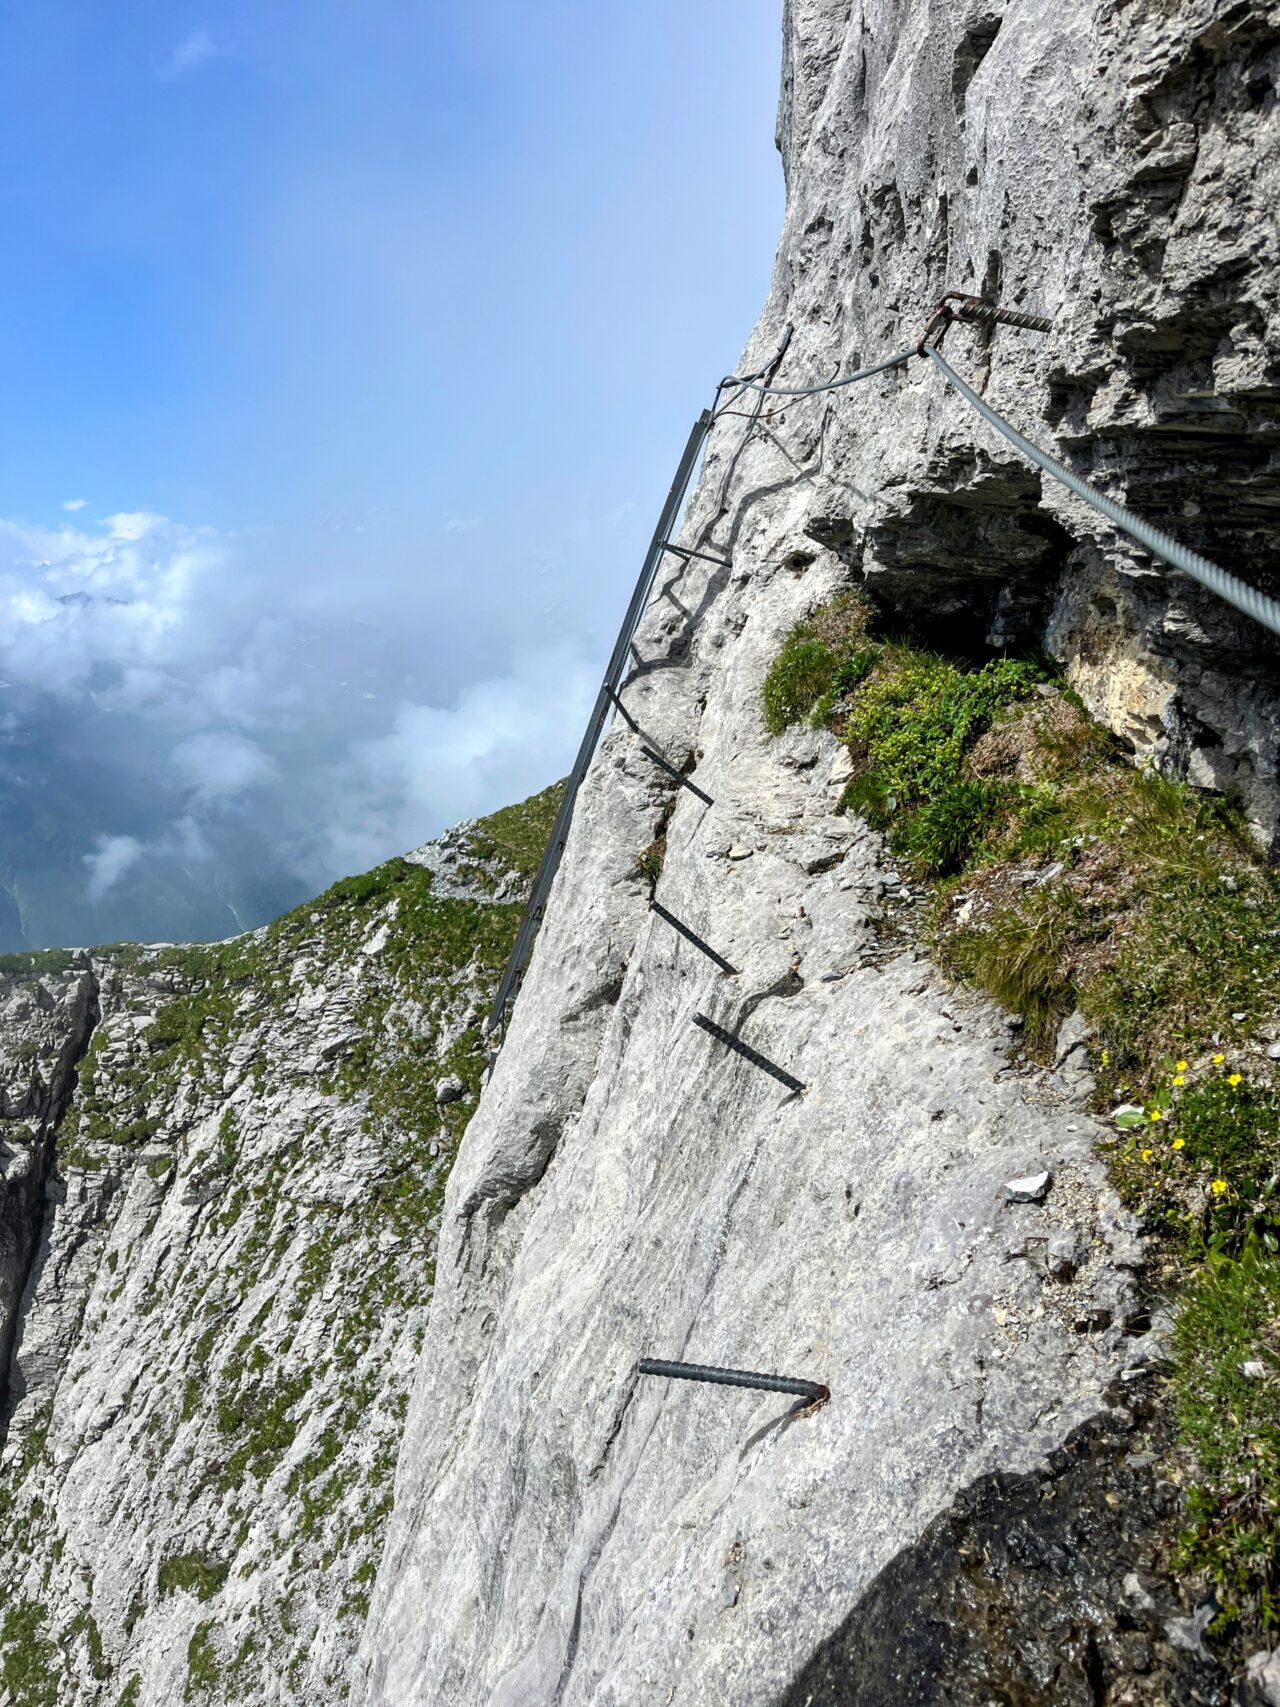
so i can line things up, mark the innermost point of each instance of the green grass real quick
(202, 1664)
(1229, 1318)
(39, 963)
(252, 1386)
(517, 835)
(193, 1572)
(820, 660)
(84, 1624)
(914, 722)
(1017, 956)
(30, 1662)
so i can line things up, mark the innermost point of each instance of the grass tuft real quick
(821, 661)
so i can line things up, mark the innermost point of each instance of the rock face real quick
(218, 1246)
(568, 1532)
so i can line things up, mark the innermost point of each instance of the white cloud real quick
(219, 764)
(460, 524)
(74, 503)
(111, 858)
(74, 602)
(193, 50)
(133, 524)
(504, 737)
(235, 738)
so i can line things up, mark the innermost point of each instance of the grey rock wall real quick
(565, 1532)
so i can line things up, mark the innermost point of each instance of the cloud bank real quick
(190, 741)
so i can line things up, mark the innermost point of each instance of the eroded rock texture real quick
(217, 1246)
(563, 1531)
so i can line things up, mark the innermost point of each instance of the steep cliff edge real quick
(565, 1532)
(219, 1242)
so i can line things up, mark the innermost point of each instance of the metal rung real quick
(811, 1390)
(748, 1053)
(706, 557)
(721, 962)
(977, 310)
(680, 777)
(621, 710)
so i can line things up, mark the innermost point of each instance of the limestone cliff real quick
(244, 1282)
(565, 1532)
(223, 1168)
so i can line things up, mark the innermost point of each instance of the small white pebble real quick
(1033, 1189)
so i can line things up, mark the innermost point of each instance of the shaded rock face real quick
(1112, 167)
(1031, 1589)
(217, 1247)
(46, 1020)
(564, 1530)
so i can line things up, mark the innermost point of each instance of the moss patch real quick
(516, 837)
(1227, 1379)
(30, 1663)
(820, 661)
(193, 1572)
(202, 1664)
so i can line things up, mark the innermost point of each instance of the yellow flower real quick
(1179, 1143)
(1156, 1114)
(1147, 1155)
(1233, 1078)
(1179, 1079)
(1180, 1067)
(1106, 1057)
(1218, 1060)
(1217, 1187)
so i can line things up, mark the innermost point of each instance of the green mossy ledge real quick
(1062, 878)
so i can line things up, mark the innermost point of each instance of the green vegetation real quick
(339, 1271)
(516, 837)
(1063, 878)
(40, 963)
(193, 1572)
(86, 1625)
(820, 661)
(1230, 1323)
(130, 1693)
(30, 1663)
(260, 1421)
(202, 1664)
(650, 861)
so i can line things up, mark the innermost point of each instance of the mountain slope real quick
(221, 1235)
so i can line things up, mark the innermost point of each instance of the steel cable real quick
(1249, 600)
(828, 385)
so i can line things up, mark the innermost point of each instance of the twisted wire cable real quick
(1254, 603)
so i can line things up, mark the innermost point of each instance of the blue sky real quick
(384, 323)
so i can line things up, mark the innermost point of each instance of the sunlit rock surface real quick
(565, 1532)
